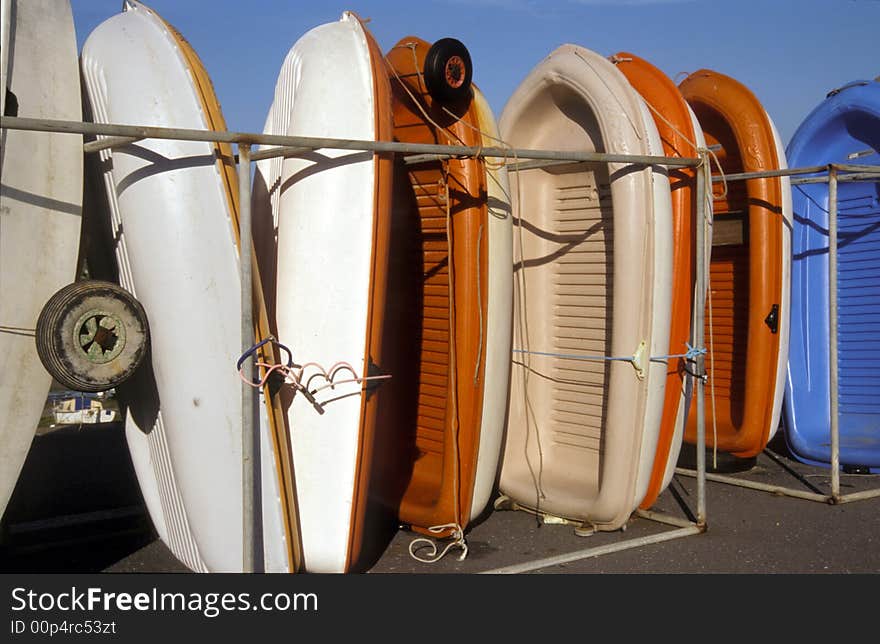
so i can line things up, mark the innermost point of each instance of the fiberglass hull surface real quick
(328, 210)
(40, 217)
(499, 312)
(582, 434)
(173, 221)
(681, 137)
(844, 128)
(452, 303)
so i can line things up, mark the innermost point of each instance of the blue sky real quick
(790, 53)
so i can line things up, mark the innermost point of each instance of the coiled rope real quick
(293, 374)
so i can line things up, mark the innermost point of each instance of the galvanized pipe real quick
(248, 393)
(314, 143)
(587, 157)
(767, 174)
(594, 552)
(699, 332)
(832, 332)
(855, 167)
(793, 172)
(278, 151)
(853, 177)
(108, 142)
(661, 517)
(858, 496)
(754, 485)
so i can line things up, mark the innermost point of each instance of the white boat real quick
(40, 208)
(173, 210)
(592, 264)
(322, 217)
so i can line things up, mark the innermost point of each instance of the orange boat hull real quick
(748, 283)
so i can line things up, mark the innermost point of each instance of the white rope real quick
(458, 541)
(458, 531)
(479, 308)
(523, 324)
(707, 246)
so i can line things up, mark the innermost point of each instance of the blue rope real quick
(259, 344)
(691, 354)
(571, 356)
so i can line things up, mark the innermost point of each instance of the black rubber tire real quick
(60, 343)
(448, 71)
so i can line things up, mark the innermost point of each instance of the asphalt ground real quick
(78, 509)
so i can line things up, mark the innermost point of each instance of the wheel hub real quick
(455, 73)
(100, 335)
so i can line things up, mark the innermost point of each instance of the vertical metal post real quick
(832, 331)
(699, 334)
(248, 393)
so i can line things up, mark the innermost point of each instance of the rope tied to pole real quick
(293, 374)
(690, 354)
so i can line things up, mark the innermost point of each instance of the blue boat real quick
(845, 129)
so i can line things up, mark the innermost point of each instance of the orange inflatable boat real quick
(680, 135)
(440, 303)
(746, 319)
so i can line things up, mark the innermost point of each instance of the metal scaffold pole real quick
(248, 393)
(833, 174)
(699, 332)
(832, 332)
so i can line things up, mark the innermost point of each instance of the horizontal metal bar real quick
(661, 517)
(851, 178)
(855, 167)
(588, 157)
(599, 157)
(415, 159)
(315, 143)
(753, 485)
(594, 552)
(767, 174)
(107, 143)
(278, 151)
(861, 153)
(786, 172)
(857, 496)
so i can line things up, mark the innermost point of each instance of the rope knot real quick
(457, 537)
(693, 352)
